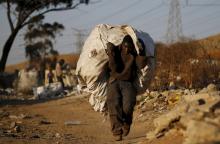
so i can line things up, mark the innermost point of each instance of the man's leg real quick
(60, 79)
(114, 104)
(129, 101)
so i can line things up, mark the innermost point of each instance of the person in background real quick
(53, 63)
(41, 73)
(59, 72)
(50, 75)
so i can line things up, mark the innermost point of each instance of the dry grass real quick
(13, 67)
(188, 64)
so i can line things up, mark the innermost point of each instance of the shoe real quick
(126, 130)
(118, 137)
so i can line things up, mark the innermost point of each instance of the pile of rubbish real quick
(194, 114)
(49, 91)
(26, 86)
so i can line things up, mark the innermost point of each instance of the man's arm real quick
(111, 55)
(127, 67)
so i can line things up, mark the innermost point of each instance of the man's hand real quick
(110, 49)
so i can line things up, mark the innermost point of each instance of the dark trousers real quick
(121, 100)
(60, 79)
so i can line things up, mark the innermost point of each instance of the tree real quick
(23, 12)
(39, 40)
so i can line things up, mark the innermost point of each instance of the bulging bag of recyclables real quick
(91, 68)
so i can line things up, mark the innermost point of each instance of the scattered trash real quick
(17, 129)
(48, 91)
(4, 114)
(45, 122)
(57, 135)
(13, 117)
(35, 136)
(72, 122)
(12, 125)
(21, 116)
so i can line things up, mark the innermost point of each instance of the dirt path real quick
(28, 122)
(45, 123)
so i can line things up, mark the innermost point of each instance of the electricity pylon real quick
(174, 28)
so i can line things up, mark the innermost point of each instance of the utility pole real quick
(174, 29)
(80, 36)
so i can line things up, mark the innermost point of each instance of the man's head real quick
(62, 61)
(127, 44)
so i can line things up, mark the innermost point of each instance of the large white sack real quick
(91, 66)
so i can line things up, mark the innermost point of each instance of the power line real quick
(80, 38)
(196, 20)
(187, 3)
(164, 15)
(207, 21)
(214, 4)
(129, 6)
(70, 18)
(152, 18)
(144, 13)
(203, 18)
(120, 10)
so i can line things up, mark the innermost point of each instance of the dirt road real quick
(49, 122)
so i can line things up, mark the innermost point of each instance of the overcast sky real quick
(200, 19)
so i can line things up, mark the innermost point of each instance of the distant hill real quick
(212, 46)
(211, 42)
(69, 58)
(13, 67)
